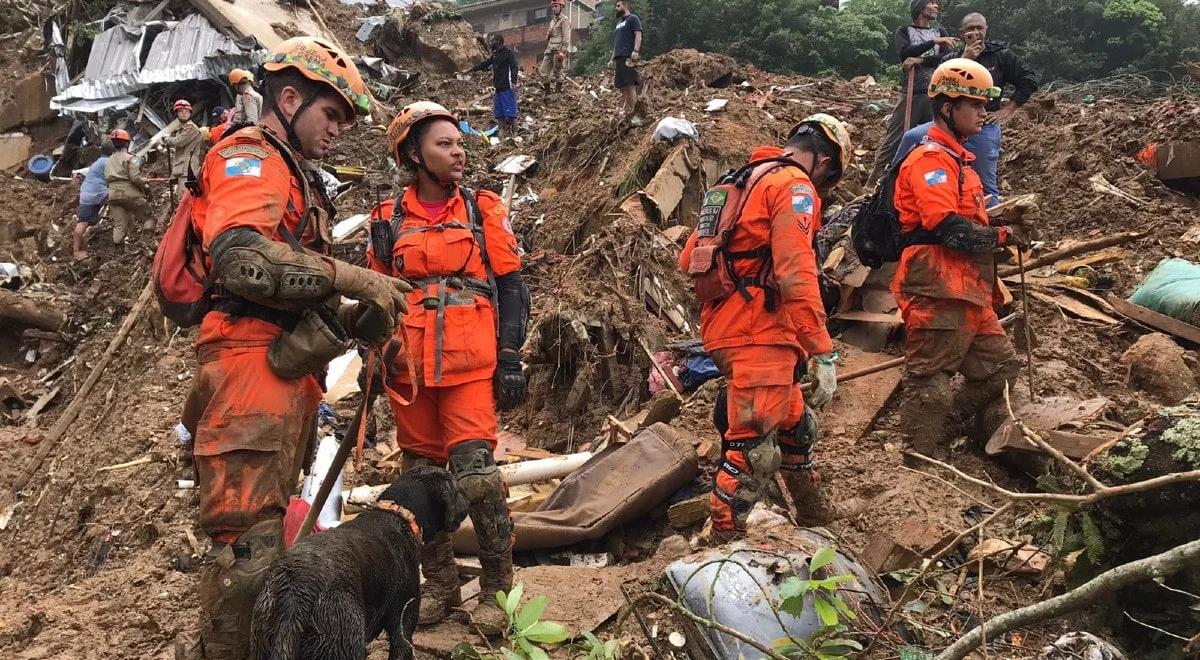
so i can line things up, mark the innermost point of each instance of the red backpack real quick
(182, 281)
(711, 262)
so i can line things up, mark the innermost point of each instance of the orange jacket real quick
(927, 191)
(430, 249)
(246, 183)
(784, 211)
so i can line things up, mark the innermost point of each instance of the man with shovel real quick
(920, 47)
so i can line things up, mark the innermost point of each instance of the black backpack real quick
(875, 230)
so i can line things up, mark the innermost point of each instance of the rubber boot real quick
(440, 591)
(229, 585)
(480, 481)
(813, 508)
(924, 412)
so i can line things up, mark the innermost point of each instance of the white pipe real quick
(515, 474)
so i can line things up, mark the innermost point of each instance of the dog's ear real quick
(454, 502)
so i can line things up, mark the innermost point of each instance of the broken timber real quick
(1072, 250)
(1155, 320)
(26, 311)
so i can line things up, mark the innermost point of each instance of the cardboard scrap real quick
(1018, 558)
(665, 190)
(1057, 420)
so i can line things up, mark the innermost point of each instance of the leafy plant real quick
(829, 606)
(525, 632)
(597, 650)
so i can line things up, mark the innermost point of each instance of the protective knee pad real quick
(763, 457)
(799, 442)
(478, 477)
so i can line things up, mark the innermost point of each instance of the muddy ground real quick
(102, 564)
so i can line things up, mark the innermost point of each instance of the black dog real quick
(334, 592)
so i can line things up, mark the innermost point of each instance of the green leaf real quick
(843, 608)
(531, 612)
(533, 652)
(793, 587)
(464, 651)
(514, 599)
(827, 612)
(822, 558)
(611, 647)
(846, 643)
(1058, 534)
(592, 640)
(502, 602)
(913, 653)
(509, 655)
(546, 632)
(1093, 540)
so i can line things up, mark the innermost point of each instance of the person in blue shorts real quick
(93, 195)
(504, 77)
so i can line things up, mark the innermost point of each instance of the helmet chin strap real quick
(448, 185)
(293, 140)
(950, 120)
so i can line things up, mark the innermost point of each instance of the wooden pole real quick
(1073, 250)
(908, 99)
(72, 412)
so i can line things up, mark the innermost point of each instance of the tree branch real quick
(1157, 566)
(663, 600)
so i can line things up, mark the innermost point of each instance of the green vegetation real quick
(828, 603)
(1061, 39)
(525, 631)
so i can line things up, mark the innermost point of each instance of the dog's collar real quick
(408, 516)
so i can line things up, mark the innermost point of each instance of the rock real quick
(1156, 366)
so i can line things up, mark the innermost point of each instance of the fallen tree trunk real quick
(8, 498)
(1073, 250)
(26, 311)
(1154, 567)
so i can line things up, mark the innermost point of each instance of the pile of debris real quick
(617, 401)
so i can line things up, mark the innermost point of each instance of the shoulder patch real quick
(243, 166)
(935, 177)
(252, 150)
(802, 199)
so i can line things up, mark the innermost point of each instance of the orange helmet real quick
(181, 104)
(119, 134)
(238, 75)
(409, 117)
(963, 78)
(320, 61)
(836, 131)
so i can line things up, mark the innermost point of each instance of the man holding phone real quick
(1007, 68)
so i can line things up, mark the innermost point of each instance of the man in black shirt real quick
(1007, 69)
(627, 44)
(920, 48)
(504, 77)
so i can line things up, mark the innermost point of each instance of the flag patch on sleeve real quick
(935, 177)
(243, 166)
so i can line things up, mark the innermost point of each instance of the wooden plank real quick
(1155, 320)
(1075, 307)
(1098, 259)
(689, 512)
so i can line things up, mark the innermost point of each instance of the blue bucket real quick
(39, 166)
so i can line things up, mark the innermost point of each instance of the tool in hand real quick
(1025, 306)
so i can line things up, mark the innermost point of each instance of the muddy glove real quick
(510, 380)
(1013, 236)
(365, 322)
(384, 293)
(824, 379)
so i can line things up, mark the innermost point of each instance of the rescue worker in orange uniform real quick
(774, 322)
(945, 282)
(465, 326)
(264, 224)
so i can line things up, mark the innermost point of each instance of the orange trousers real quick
(442, 417)
(252, 432)
(763, 405)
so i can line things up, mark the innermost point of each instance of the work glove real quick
(824, 378)
(365, 322)
(1013, 236)
(384, 293)
(510, 380)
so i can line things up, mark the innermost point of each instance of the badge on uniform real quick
(802, 200)
(243, 166)
(935, 177)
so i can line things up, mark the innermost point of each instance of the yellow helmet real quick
(833, 129)
(963, 78)
(322, 62)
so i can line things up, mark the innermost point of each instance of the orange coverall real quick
(253, 426)
(454, 367)
(946, 296)
(757, 350)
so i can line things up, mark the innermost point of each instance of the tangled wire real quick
(1150, 84)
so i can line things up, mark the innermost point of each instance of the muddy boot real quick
(229, 585)
(978, 395)
(558, 86)
(479, 479)
(440, 591)
(924, 412)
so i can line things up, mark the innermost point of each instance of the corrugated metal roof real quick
(192, 49)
